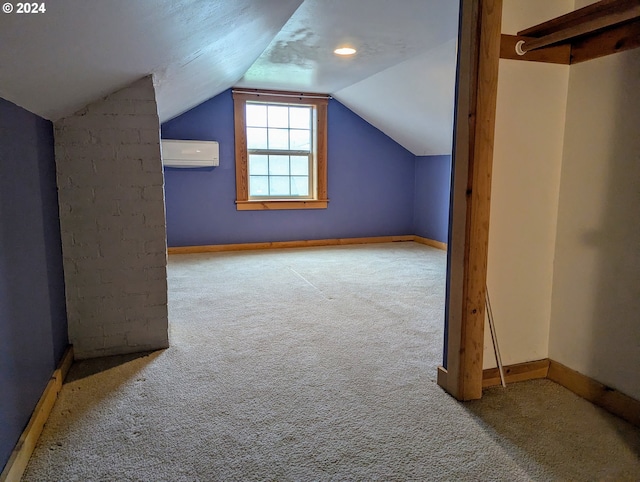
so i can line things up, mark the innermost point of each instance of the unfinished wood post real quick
(477, 87)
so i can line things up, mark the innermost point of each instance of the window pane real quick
(258, 165)
(299, 165)
(279, 165)
(256, 138)
(279, 185)
(256, 115)
(278, 116)
(258, 185)
(300, 140)
(278, 139)
(299, 186)
(300, 117)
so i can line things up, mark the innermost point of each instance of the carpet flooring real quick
(315, 364)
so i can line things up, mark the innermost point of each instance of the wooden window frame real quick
(320, 103)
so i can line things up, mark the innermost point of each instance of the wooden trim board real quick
(280, 205)
(516, 373)
(216, 248)
(601, 395)
(430, 242)
(610, 399)
(19, 458)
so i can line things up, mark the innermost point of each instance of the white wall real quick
(564, 245)
(530, 121)
(595, 317)
(110, 189)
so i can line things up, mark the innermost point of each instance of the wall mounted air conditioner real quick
(177, 153)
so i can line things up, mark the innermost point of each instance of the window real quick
(281, 150)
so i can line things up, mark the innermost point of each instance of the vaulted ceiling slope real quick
(401, 79)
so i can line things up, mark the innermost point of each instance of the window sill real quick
(280, 205)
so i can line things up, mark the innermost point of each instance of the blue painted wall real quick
(370, 185)
(431, 207)
(33, 323)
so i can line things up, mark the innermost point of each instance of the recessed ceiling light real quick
(344, 51)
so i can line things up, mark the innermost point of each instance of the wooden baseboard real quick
(430, 242)
(217, 248)
(19, 458)
(606, 397)
(516, 373)
(601, 395)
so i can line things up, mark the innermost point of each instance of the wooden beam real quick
(466, 90)
(476, 107)
(479, 201)
(611, 41)
(606, 397)
(577, 17)
(516, 373)
(559, 54)
(19, 458)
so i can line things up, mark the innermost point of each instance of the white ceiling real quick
(401, 80)
(417, 111)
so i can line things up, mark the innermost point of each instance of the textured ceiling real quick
(80, 50)
(401, 80)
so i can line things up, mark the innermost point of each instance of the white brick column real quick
(110, 189)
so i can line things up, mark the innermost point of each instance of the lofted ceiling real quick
(401, 79)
